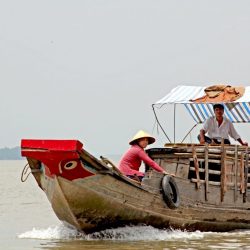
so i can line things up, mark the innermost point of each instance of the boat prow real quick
(92, 194)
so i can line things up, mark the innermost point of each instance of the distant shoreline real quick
(10, 153)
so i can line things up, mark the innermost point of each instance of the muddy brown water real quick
(28, 222)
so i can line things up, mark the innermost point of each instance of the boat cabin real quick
(219, 172)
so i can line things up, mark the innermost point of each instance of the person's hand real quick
(165, 172)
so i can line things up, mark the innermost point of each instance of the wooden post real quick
(246, 175)
(223, 171)
(235, 172)
(242, 183)
(206, 172)
(196, 166)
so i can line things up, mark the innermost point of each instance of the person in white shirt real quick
(219, 128)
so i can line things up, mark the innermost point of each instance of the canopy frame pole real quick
(189, 132)
(158, 122)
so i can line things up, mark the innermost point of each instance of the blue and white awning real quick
(237, 111)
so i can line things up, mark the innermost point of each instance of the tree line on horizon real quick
(10, 153)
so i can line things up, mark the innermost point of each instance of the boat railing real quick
(224, 166)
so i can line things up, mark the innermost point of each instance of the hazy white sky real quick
(90, 70)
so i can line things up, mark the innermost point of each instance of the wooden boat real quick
(209, 191)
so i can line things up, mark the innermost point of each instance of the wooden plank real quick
(188, 147)
(235, 172)
(246, 175)
(177, 160)
(209, 160)
(223, 171)
(242, 183)
(201, 170)
(206, 172)
(181, 161)
(196, 165)
(232, 184)
(182, 170)
(187, 155)
(214, 183)
(99, 165)
(170, 167)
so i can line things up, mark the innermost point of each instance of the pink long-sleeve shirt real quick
(131, 161)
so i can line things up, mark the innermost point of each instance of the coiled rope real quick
(24, 175)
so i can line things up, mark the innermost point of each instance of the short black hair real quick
(218, 105)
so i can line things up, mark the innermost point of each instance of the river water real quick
(28, 222)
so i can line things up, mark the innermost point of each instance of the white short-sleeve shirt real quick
(215, 131)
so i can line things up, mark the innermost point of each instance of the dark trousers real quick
(209, 140)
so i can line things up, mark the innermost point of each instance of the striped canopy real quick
(237, 111)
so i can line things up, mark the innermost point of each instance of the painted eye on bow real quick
(70, 165)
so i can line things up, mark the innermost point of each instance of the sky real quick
(90, 70)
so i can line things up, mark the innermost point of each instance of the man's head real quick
(219, 106)
(218, 110)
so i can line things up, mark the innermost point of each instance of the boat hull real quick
(91, 196)
(112, 203)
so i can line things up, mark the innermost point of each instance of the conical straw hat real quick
(142, 134)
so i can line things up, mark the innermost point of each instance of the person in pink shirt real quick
(131, 161)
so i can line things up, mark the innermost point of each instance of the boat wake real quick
(128, 233)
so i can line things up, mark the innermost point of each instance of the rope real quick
(158, 122)
(24, 175)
